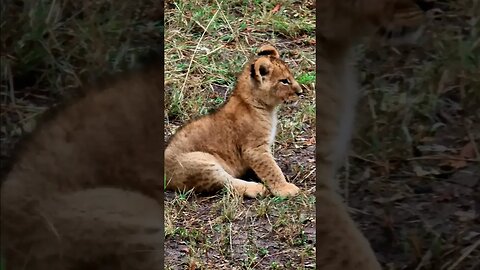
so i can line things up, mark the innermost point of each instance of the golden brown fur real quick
(342, 25)
(85, 191)
(214, 151)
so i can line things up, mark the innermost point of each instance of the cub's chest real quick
(273, 128)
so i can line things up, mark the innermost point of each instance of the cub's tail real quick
(100, 228)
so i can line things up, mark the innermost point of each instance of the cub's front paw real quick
(285, 190)
(254, 190)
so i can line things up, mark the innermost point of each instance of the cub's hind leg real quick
(205, 173)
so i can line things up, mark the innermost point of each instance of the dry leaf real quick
(394, 198)
(311, 141)
(193, 265)
(445, 196)
(467, 152)
(276, 8)
(465, 215)
(419, 171)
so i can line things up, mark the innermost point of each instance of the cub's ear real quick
(261, 68)
(268, 50)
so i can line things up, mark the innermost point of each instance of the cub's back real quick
(111, 132)
(219, 132)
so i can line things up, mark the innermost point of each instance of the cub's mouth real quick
(293, 99)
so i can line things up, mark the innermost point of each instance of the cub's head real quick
(406, 22)
(271, 79)
(396, 21)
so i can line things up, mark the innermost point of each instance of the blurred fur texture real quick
(85, 188)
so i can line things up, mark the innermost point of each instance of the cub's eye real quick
(285, 81)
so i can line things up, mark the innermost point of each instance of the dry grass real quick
(48, 48)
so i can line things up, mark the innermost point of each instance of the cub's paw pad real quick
(254, 190)
(285, 190)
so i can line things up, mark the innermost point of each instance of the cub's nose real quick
(297, 88)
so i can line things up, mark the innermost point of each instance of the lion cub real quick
(85, 190)
(213, 151)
